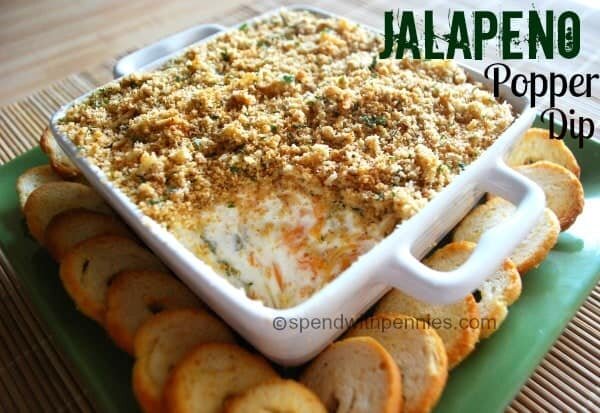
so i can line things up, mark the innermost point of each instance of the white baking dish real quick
(394, 262)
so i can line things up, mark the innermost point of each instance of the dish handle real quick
(408, 274)
(164, 47)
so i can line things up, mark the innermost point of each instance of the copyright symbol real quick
(279, 323)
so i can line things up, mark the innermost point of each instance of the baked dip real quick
(282, 151)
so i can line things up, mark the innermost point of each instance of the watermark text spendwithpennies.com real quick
(341, 322)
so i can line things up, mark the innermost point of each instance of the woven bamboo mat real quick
(34, 377)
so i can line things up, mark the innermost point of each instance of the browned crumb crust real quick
(295, 98)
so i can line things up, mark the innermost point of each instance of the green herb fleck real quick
(99, 98)
(373, 63)
(373, 120)
(229, 269)
(262, 43)
(234, 169)
(230, 205)
(244, 27)
(212, 247)
(273, 128)
(239, 244)
(462, 166)
(288, 79)
(225, 56)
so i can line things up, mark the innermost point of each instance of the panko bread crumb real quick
(293, 104)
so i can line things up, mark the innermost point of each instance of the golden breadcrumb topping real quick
(294, 97)
(295, 101)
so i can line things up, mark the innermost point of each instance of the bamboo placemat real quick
(34, 377)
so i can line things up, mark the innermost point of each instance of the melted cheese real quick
(283, 247)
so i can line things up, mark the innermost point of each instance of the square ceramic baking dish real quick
(394, 262)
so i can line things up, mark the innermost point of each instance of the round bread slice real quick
(417, 350)
(70, 227)
(536, 145)
(60, 162)
(162, 341)
(494, 295)
(87, 269)
(355, 375)
(531, 251)
(52, 198)
(134, 296)
(210, 374)
(564, 193)
(457, 324)
(276, 396)
(32, 179)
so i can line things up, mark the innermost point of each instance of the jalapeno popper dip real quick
(281, 151)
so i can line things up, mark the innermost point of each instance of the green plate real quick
(487, 381)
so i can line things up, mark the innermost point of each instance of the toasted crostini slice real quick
(162, 341)
(531, 251)
(564, 192)
(494, 295)
(210, 374)
(52, 198)
(459, 337)
(134, 296)
(276, 396)
(417, 350)
(87, 270)
(355, 375)
(73, 226)
(32, 179)
(537, 145)
(60, 162)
